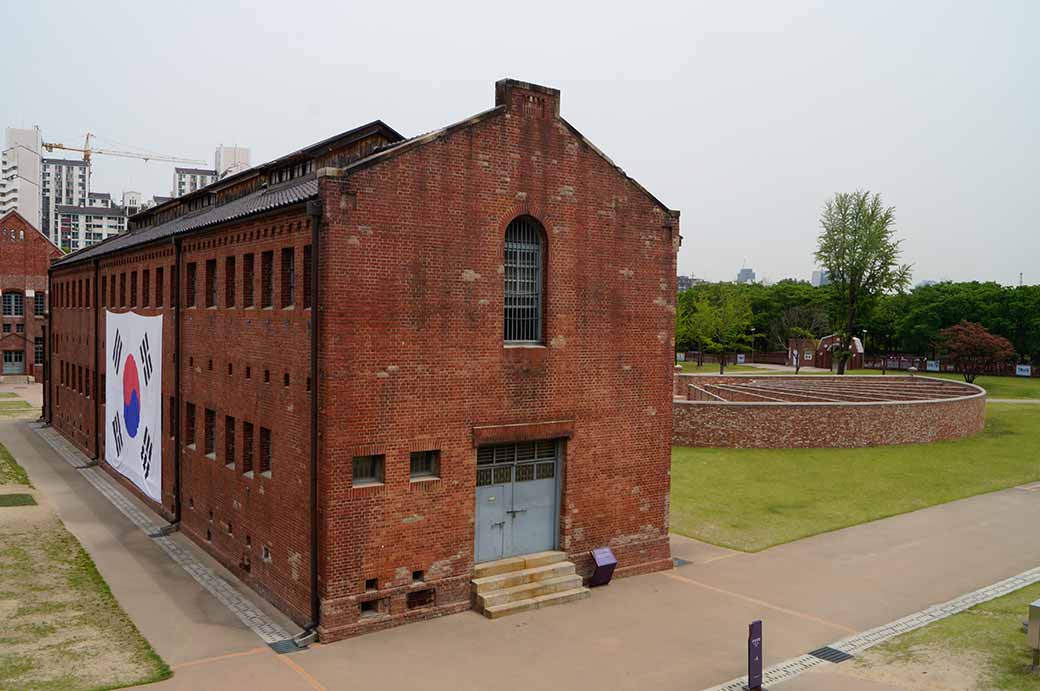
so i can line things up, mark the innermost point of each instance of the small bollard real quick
(754, 656)
(1033, 633)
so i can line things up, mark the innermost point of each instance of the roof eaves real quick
(409, 144)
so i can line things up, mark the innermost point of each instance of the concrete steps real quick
(521, 584)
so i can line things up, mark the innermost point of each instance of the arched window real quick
(14, 304)
(524, 258)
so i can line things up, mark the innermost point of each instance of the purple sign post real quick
(754, 656)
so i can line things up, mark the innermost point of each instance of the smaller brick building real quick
(25, 254)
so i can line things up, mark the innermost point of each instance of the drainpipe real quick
(47, 336)
(94, 385)
(315, 209)
(175, 297)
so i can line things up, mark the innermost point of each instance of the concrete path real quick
(682, 629)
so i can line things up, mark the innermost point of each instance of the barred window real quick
(288, 277)
(229, 281)
(247, 280)
(211, 283)
(368, 470)
(189, 286)
(425, 464)
(14, 304)
(523, 281)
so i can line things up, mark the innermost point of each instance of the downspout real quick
(97, 400)
(175, 297)
(315, 209)
(48, 336)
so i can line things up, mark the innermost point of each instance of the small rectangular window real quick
(133, 289)
(104, 291)
(288, 276)
(159, 287)
(122, 289)
(307, 277)
(265, 451)
(38, 350)
(248, 280)
(189, 285)
(189, 425)
(229, 282)
(211, 283)
(112, 292)
(425, 464)
(146, 287)
(267, 279)
(368, 470)
(247, 447)
(210, 433)
(229, 441)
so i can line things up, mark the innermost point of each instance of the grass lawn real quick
(10, 472)
(17, 408)
(60, 626)
(713, 368)
(751, 499)
(986, 639)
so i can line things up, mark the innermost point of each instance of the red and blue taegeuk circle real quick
(131, 396)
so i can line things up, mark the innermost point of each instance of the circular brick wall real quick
(810, 411)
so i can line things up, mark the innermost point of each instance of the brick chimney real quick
(529, 100)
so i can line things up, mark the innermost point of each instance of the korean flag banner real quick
(133, 399)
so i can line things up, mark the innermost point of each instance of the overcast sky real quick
(744, 116)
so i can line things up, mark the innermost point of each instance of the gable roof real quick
(26, 221)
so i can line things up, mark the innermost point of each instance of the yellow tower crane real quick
(87, 150)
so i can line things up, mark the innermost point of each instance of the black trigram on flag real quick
(146, 361)
(146, 452)
(117, 351)
(117, 434)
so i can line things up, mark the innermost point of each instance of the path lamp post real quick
(752, 344)
(864, 344)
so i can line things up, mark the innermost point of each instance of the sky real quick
(745, 116)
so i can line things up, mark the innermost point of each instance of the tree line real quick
(726, 317)
(868, 294)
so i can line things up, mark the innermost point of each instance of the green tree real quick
(859, 249)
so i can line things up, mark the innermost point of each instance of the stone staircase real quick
(520, 584)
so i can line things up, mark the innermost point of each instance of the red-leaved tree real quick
(973, 350)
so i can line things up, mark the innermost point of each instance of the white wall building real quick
(81, 226)
(21, 174)
(187, 180)
(820, 278)
(229, 160)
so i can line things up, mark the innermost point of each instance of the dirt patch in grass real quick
(982, 648)
(60, 626)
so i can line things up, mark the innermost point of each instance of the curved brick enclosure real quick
(754, 411)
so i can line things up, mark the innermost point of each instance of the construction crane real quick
(87, 150)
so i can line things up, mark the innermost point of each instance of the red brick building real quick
(25, 254)
(478, 365)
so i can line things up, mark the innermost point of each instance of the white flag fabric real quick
(133, 399)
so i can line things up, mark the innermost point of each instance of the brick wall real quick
(413, 356)
(25, 255)
(743, 423)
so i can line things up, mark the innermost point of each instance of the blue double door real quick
(517, 499)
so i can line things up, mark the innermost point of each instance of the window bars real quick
(523, 281)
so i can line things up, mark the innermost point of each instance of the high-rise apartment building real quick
(64, 184)
(187, 180)
(20, 174)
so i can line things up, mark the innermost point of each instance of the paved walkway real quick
(683, 629)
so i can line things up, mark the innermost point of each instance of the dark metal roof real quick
(195, 171)
(65, 162)
(262, 200)
(90, 210)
